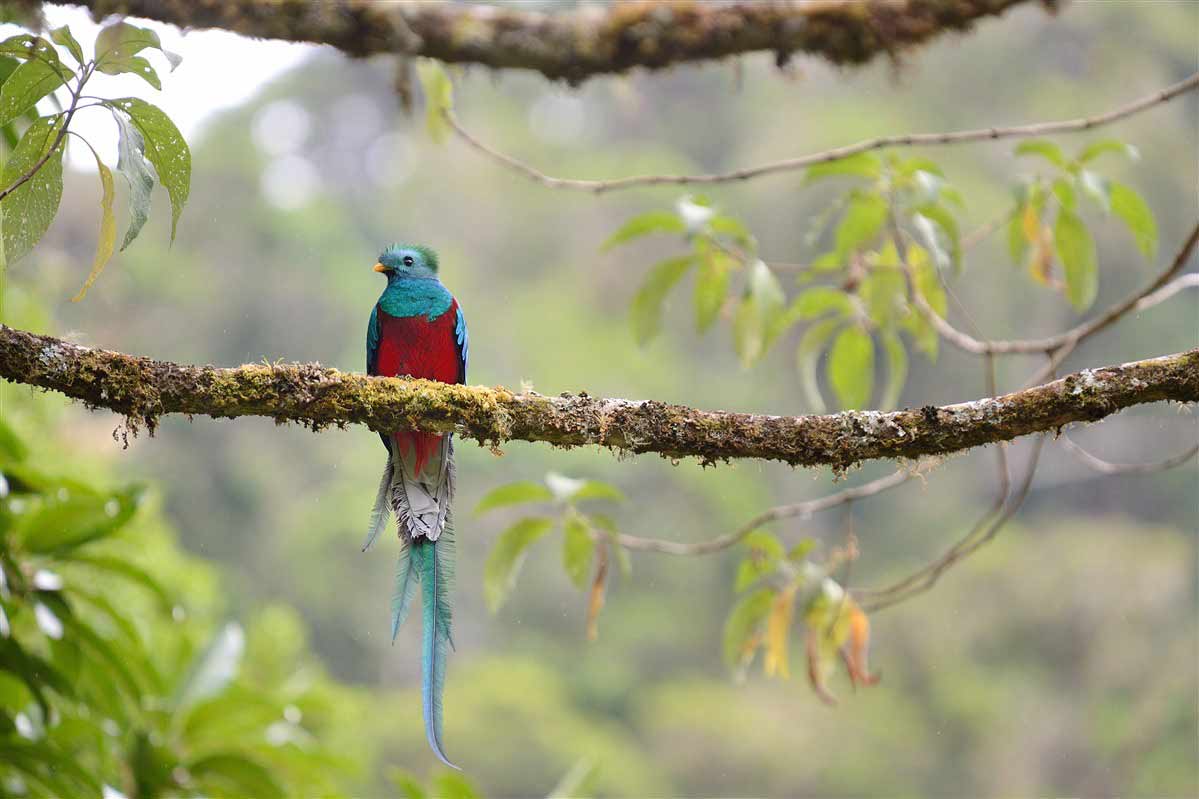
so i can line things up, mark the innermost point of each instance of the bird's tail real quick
(382, 508)
(433, 563)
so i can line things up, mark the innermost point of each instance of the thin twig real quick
(807, 508)
(1107, 467)
(824, 156)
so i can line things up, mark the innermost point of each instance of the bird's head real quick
(407, 261)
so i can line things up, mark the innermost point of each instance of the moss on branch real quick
(143, 389)
(586, 41)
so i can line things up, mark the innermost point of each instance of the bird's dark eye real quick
(408, 260)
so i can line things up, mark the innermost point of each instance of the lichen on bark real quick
(143, 389)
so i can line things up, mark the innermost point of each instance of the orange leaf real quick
(595, 602)
(777, 627)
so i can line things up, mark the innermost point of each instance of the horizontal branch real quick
(825, 156)
(583, 42)
(143, 389)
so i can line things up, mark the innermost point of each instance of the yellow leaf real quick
(108, 229)
(778, 626)
(595, 603)
(439, 97)
(1032, 223)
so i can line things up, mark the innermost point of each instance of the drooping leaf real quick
(513, 494)
(165, 149)
(778, 628)
(28, 83)
(742, 626)
(1103, 146)
(755, 324)
(884, 292)
(63, 37)
(851, 367)
(439, 97)
(134, 65)
(800, 551)
(507, 556)
(897, 369)
(820, 300)
(138, 172)
(947, 235)
(1076, 250)
(1097, 187)
(926, 281)
(729, 226)
(130, 571)
(647, 304)
(1045, 149)
(861, 165)
(1063, 189)
(28, 211)
(711, 288)
(861, 223)
(1136, 214)
(643, 225)
(811, 345)
(578, 548)
(1017, 244)
(107, 239)
(234, 774)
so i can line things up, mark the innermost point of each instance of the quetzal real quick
(417, 329)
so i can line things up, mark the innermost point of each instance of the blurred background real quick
(1060, 660)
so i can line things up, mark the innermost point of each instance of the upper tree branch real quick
(143, 389)
(583, 42)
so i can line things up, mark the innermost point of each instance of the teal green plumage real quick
(417, 329)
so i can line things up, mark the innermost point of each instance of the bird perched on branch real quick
(417, 329)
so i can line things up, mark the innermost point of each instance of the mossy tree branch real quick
(581, 43)
(143, 389)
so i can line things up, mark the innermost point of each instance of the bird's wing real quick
(372, 342)
(463, 340)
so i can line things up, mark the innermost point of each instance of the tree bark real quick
(143, 389)
(583, 42)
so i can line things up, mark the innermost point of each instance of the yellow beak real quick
(380, 268)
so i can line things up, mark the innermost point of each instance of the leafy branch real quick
(151, 150)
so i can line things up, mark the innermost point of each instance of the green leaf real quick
(1097, 187)
(1063, 189)
(1017, 242)
(711, 288)
(231, 773)
(765, 553)
(596, 489)
(12, 448)
(1045, 149)
(643, 225)
(743, 621)
(811, 345)
(406, 783)
(108, 228)
(1076, 249)
(801, 550)
(756, 323)
(1136, 214)
(949, 238)
(165, 149)
(507, 556)
(61, 524)
(117, 44)
(862, 221)
(63, 37)
(926, 281)
(128, 570)
(26, 46)
(851, 367)
(728, 226)
(647, 304)
(138, 172)
(134, 65)
(861, 165)
(452, 785)
(27, 84)
(820, 300)
(577, 549)
(29, 209)
(513, 494)
(885, 293)
(897, 369)
(1103, 146)
(439, 97)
